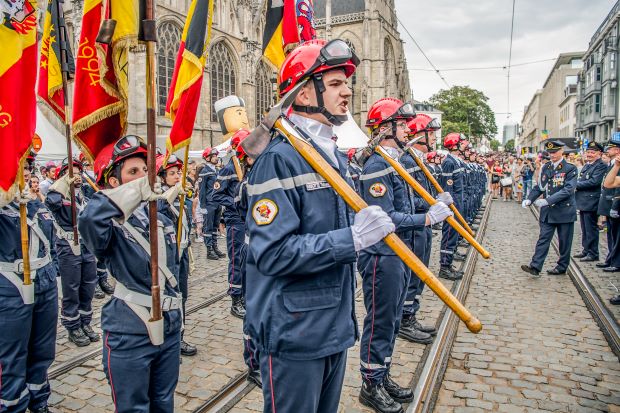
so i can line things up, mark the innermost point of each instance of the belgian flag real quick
(18, 101)
(186, 83)
(50, 70)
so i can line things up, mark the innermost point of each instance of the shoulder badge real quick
(217, 185)
(450, 182)
(377, 190)
(264, 211)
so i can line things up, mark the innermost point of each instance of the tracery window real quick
(223, 74)
(169, 40)
(264, 90)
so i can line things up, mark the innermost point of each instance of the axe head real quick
(256, 142)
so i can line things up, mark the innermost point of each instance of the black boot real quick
(400, 394)
(450, 273)
(427, 329)
(254, 377)
(408, 332)
(187, 349)
(90, 333)
(237, 308)
(217, 250)
(106, 287)
(615, 300)
(78, 337)
(377, 397)
(43, 409)
(458, 256)
(211, 255)
(98, 293)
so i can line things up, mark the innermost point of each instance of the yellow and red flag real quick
(50, 71)
(186, 82)
(288, 23)
(101, 78)
(18, 77)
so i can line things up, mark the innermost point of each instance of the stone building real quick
(235, 64)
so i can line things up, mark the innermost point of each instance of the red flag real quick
(18, 76)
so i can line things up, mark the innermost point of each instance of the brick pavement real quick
(539, 350)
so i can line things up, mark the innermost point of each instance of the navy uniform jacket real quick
(224, 191)
(206, 181)
(61, 208)
(10, 233)
(355, 171)
(381, 185)
(421, 206)
(607, 196)
(558, 187)
(588, 189)
(453, 179)
(127, 261)
(300, 282)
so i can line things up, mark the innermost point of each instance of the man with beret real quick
(556, 185)
(587, 195)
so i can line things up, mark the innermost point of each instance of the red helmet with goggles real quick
(452, 140)
(236, 139)
(172, 161)
(209, 152)
(114, 153)
(64, 167)
(423, 123)
(387, 110)
(430, 156)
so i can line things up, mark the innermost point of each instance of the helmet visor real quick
(433, 125)
(337, 52)
(406, 111)
(127, 145)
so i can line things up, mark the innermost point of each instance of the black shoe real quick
(462, 243)
(589, 258)
(449, 273)
(254, 377)
(400, 394)
(98, 293)
(475, 227)
(615, 300)
(90, 333)
(531, 270)
(602, 265)
(78, 337)
(43, 409)
(426, 329)
(409, 333)
(377, 397)
(458, 256)
(611, 269)
(211, 255)
(237, 308)
(580, 255)
(555, 271)
(217, 251)
(187, 349)
(106, 286)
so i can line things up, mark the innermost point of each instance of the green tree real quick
(465, 110)
(510, 146)
(495, 144)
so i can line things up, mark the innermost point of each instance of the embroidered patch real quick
(216, 185)
(264, 211)
(450, 182)
(313, 186)
(377, 190)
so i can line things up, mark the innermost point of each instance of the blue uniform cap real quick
(553, 145)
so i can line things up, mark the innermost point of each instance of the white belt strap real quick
(68, 236)
(25, 291)
(184, 236)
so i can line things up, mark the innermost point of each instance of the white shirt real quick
(320, 133)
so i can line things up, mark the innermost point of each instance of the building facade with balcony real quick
(597, 90)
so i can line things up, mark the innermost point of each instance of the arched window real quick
(264, 90)
(169, 39)
(223, 75)
(390, 71)
(352, 83)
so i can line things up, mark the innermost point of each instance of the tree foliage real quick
(465, 110)
(495, 144)
(510, 146)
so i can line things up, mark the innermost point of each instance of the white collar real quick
(393, 152)
(321, 134)
(555, 164)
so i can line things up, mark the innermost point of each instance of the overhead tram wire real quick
(512, 26)
(424, 54)
(454, 69)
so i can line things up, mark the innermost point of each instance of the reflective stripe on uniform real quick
(82, 312)
(446, 252)
(286, 183)
(235, 286)
(378, 174)
(226, 177)
(14, 402)
(36, 387)
(64, 317)
(372, 366)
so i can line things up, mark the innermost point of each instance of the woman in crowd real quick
(496, 175)
(518, 180)
(506, 182)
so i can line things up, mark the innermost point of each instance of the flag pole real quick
(182, 200)
(23, 218)
(64, 67)
(150, 37)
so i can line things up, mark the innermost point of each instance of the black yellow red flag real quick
(18, 76)
(186, 83)
(50, 75)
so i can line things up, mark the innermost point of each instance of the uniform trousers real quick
(210, 225)
(308, 386)
(422, 243)
(613, 242)
(142, 376)
(589, 232)
(565, 238)
(235, 242)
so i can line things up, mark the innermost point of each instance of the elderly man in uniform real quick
(607, 207)
(558, 212)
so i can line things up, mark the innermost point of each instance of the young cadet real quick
(210, 209)
(225, 190)
(140, 357)
(385, 276)
(170, 175)
(76, 263)
(302, 243)
(28, 318)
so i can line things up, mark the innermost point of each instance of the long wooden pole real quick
(23, 218)
(356, 202)
(150, 37)
(238, 168)
(182, 200)
(64, 66)
(430, 200)
(439, 189)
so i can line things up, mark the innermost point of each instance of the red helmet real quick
(388, 109)
(171, 162)
(351, 153)
(422, 123)
(430, 156)
(452, 140)
(65, 166)
(313, 57)
(112, 154)
(209, 152)
(238, 136)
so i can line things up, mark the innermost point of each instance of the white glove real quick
(526, 203)
(24, 196)
(129, 196)
(438, 213)
(370, 226)
(614, 213)
(446, 198)
(173, 193)
(541, 202)
(63, 185)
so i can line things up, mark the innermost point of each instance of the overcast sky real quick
(457, 34)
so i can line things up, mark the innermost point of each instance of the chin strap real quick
(319, 88)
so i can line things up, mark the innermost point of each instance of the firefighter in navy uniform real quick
(422, 135)
(76, 263)
(140, 357)
(303, 242)
(587, 194)
(210, 209)
(385, 277)
(556, 184)
(605, 207)
(170, 175)
(225, 189)
(28, 316)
